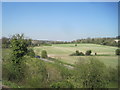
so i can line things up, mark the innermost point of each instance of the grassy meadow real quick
(43, 74)
(62, 52)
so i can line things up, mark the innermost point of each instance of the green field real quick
(105, 54)
(57, 71)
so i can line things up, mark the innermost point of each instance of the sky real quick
(60, 20)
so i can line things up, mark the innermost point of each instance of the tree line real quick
(102, 41)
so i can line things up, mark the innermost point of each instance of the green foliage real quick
(77, 53)
(13, 72)
(5, 42)
(5, 46)
(117, 52)
(31, 53)
(81, 54)
(19, 49)
(91, 74)
(65, 72)
(88, 52)
(11, 84)
(62, 84)
(35, 74)
(101, 41)
(29, 42)
(44, 54)
(112, 74)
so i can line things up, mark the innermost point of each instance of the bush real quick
(31, 53)
(12, 72)
(117, 52)
(77, 53)
(81, 54)
(44, 54)
(88, 52)
(62, 84)
(36, 73)
(91, 74)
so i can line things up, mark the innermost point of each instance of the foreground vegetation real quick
(40, 74)
(21, 69)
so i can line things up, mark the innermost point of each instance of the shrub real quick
(36, 73)
(12, 72)
(95, 53)
(77, 53)
(62, 84)
(44, 54)
(117, 52)
(75, 44)
(31, 53)
(91, 74)
(81, 54)
(88, 52)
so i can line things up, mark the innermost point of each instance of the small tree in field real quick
(44, 54)
(117, 52)
(77, 52)
(88, 52)
(75, 44)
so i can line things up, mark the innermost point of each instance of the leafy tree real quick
(31, 53)
(91, 74)
(44, 54)
(88, 52)
(29, 42)
(117, 52)
(19, 49)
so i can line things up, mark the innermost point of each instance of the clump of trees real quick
(102, 41)
(117, 52)
(77, 53)
(88, 52)
(44, 54)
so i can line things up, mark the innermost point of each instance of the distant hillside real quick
(102, 41)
